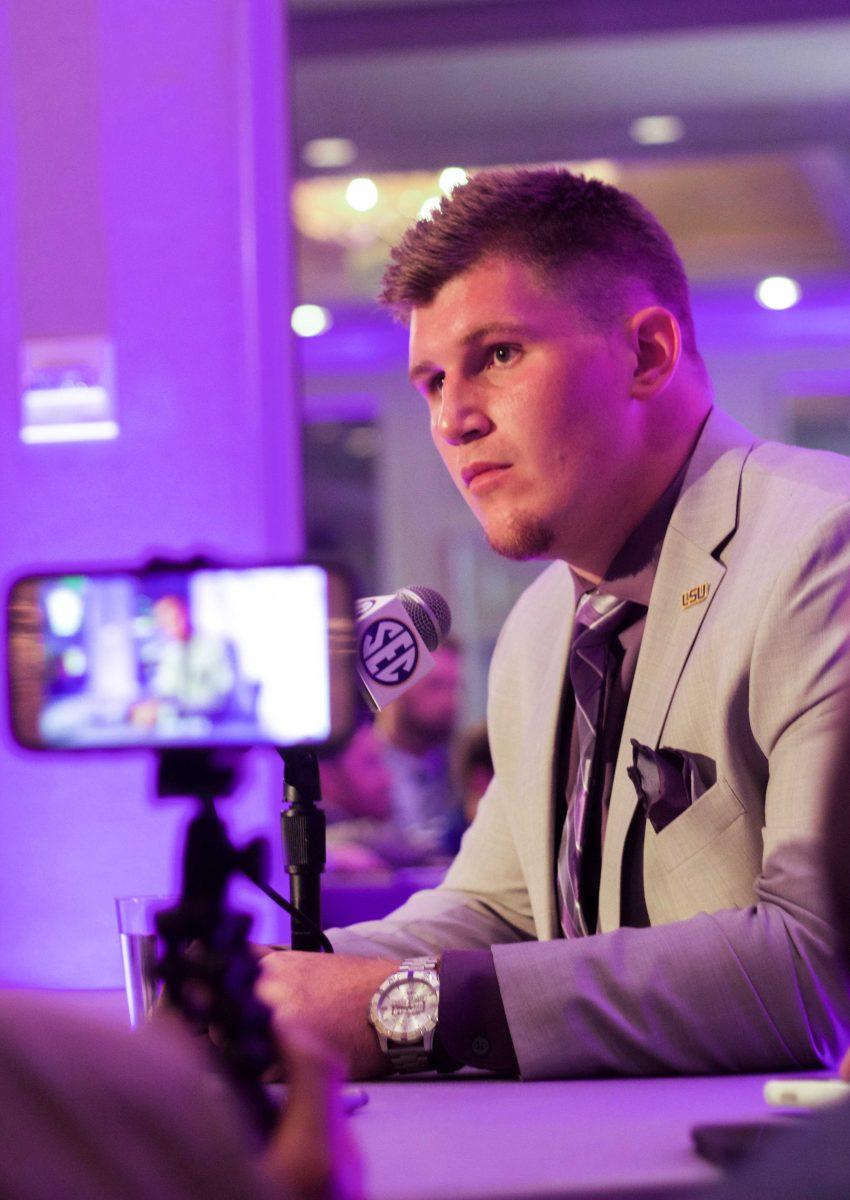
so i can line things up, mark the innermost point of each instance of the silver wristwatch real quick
(404, 1013)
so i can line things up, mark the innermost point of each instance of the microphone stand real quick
(302, 826)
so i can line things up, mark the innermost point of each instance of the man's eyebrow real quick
(511, 328)
(506, 328)
(421, 368)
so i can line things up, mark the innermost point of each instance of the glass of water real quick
(137, 932)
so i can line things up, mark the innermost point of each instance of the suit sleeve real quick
(484, 899)
(747, 989)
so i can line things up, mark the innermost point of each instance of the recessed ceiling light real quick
(778, 292)
(309, 320)
(362, 194)
(429, 207)
(451, 178)
(329, 152)
(657, 131)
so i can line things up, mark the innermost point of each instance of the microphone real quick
(396, 639)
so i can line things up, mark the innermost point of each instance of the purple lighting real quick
(143, 154)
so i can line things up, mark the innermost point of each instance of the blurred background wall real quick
(144, 154)
(148, 153)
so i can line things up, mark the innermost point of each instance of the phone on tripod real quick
(181, 656)
(198, 661)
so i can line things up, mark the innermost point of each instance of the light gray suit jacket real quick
(743, 667)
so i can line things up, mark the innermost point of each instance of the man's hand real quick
(330, 994)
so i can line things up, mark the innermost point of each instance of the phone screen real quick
(220, 656)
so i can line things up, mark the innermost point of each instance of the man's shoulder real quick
(738, 480)
(795, 483)
(822, 471)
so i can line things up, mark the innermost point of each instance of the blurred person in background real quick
(363, 833)
(417, 732)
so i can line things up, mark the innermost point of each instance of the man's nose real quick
(460, 417)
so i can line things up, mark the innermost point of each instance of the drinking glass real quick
(137, 932)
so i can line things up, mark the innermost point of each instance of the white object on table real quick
(805, 1093)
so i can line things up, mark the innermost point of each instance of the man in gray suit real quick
(639, 892)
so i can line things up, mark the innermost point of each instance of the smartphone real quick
(728, 1144)
(181, 656)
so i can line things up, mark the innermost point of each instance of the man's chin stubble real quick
(523, 539)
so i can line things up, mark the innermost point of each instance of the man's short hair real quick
(561, 224)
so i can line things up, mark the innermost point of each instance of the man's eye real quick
(503, 354)
(435, 384)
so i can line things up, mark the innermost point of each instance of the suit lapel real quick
(533, 817)
(686, 582)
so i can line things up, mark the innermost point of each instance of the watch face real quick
(405, 1007)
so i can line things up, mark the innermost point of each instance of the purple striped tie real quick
(598, 619)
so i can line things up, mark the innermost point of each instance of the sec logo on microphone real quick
(388, 652)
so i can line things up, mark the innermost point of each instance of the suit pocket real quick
(697, 827)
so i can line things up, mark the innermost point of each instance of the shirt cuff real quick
(472, 1029)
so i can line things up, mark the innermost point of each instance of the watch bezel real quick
(426, 1022)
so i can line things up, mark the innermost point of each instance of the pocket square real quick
(666, 782)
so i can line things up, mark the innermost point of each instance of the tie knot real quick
(600, 616)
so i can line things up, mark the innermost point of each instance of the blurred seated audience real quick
(417, 731)
(474, 768)
(362, 834)
(93, 1111)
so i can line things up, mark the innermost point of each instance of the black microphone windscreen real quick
(429, 612)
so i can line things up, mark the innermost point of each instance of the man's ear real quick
(657, 345)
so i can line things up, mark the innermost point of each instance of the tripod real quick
(207, 966)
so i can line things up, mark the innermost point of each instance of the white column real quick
(143, 173)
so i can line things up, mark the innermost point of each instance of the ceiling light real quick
(778, 292)
(309, 320)
(657, 131)
(329, 152)
(430, 206)
(451, 178)
(362, 194)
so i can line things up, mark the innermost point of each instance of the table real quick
(474, 1137)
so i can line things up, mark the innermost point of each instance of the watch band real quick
(408, 1059)
(419, 964)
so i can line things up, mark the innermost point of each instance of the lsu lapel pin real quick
(695, 595)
